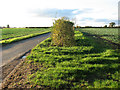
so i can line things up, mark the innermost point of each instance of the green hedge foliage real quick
(63, 33)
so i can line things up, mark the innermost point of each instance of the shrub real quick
(63, 33)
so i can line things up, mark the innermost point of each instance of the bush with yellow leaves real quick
(63, 33)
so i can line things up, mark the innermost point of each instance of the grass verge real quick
(89, 64)
(4, 42)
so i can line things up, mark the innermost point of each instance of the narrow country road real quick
(13, 50)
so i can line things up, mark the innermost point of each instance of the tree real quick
(8, 26)
(105, 26)
(62, 33)
(112, 24)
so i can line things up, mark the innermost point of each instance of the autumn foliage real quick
(63, 33)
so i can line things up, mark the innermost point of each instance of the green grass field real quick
(89, 64)
(8, 33)
(105, 33)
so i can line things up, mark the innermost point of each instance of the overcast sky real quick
(22, 13)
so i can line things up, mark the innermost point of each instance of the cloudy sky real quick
(22, 13)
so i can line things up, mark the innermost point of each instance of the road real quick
(13, 50)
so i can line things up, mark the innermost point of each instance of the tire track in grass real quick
(114, 45)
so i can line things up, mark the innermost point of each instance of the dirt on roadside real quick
(15, 73)
(18, 78)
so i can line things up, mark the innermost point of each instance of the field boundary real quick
(5, 42)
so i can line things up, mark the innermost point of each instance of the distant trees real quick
(88, 26)
(112, 24)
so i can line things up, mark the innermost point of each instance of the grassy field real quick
(8, 33)
(105, 33)
(89, 64)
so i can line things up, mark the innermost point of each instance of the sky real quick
(42, 13)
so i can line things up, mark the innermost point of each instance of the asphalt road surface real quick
(13, 50)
